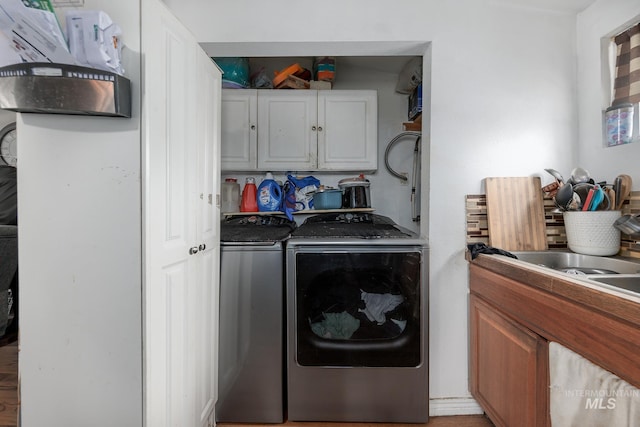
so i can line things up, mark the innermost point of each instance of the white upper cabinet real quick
(287, 130)
(300, 130)
(239, 129)
(348, 130)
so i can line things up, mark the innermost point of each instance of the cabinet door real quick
(239, 129)
(287, 130)
(348, 130)
(509, 368)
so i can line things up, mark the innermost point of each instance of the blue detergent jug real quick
(269, 195)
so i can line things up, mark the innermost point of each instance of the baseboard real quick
(454, 406)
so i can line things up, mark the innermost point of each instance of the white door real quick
(239, 137)
(180, 222)
(348, 135)
(205, 347)
(287, 130)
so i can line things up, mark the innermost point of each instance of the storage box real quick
(319, 85)
(415, 102)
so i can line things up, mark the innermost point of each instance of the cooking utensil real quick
(515, 213)
(625, 190)
(356, 193)
(628, 224)
(327, 199)
(556, 175)
(611, 193)
(616, 187)
(598, 197)
(580, 175)
(588, 200)
(564, 196)
(582, 192)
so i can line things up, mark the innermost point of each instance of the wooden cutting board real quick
(515, 214)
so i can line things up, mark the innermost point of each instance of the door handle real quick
(193, 250)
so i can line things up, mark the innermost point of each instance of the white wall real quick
(601, 21)
(80, 354)
(502, 103)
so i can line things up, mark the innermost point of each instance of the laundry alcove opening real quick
(360, 66)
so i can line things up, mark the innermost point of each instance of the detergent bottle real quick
(230, 195)
(269, 194)
(249, 200)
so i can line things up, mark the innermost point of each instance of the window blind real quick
(627, 80)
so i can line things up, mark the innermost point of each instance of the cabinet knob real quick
(313, 128)
(202, 247)
(193, 250)
(319, 128)
(253, 127)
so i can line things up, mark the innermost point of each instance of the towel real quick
(339, 326)
(585, 395)
(480, 248)
(376, 305)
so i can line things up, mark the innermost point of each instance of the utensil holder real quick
(592, 232)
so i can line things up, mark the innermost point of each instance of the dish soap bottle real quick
(269, 194)
(249, 193)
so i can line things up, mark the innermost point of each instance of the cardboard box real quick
(320, 85)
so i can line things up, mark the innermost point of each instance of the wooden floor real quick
(9, 403)
(457, 421)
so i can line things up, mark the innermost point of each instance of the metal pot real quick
(355, 192)
(327, 199)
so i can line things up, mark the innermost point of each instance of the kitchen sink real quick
(618, 273)
(629, 283)
(579, 264)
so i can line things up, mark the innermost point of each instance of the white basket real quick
(592, 232)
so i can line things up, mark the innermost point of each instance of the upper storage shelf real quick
(64, 89)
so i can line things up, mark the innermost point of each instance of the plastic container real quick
(327, 199)
(230, 195)
(235, 72)
(592, 232)
(249, 201)
(619, 124)
(324, 68)
(269, 195)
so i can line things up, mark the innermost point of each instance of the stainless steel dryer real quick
(251, 375)
(357, 321)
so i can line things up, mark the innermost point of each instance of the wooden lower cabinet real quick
(509, 368)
